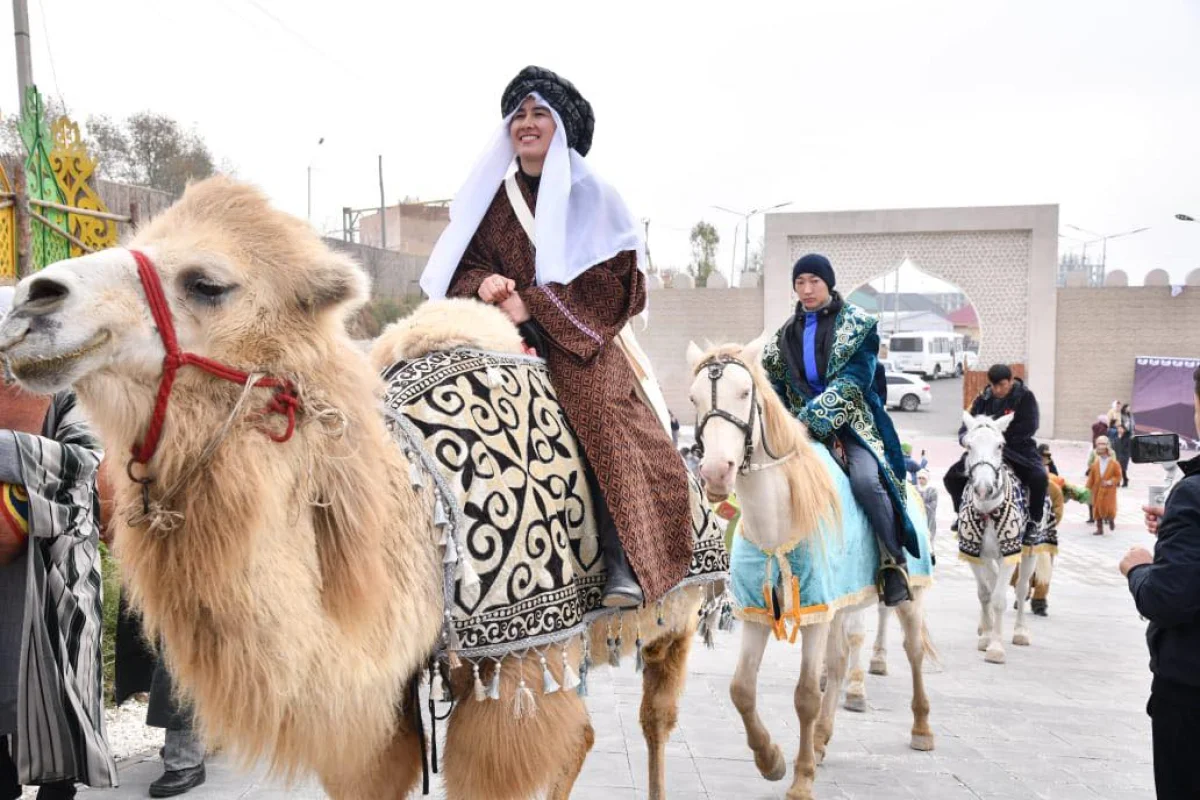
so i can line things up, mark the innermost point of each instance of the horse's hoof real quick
(984, 643)
(855, 702)
(994, 655)
(922, 742)
(878, 666)
(818, 755)
(1021, 639)
(778, 767)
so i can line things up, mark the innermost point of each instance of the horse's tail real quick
(1043, 569)
(927, 646)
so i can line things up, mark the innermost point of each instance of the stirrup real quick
(889, 564)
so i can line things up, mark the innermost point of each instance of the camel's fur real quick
(771, 519)
(445, 325)
(301, 593)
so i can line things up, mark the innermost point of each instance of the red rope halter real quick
(284, 402)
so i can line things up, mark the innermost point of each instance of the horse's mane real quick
(814, 499)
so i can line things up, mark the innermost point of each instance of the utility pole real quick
(646, 241)
(24, 62)
(382, 210)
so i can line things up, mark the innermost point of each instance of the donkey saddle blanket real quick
(523, 566)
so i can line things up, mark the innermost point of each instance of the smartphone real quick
(1154, 448)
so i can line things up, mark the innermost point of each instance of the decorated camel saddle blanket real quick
(523, 565)
(808, 581)
(1009, 519)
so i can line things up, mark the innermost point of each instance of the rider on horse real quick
(1008, 395)
(823, 364)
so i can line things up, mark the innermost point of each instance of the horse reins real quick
(285, 400)
(716, 370)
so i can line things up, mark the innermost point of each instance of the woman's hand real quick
(495, 289)
(515, 308)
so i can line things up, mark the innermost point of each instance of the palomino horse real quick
(990, 530)
(790, 493)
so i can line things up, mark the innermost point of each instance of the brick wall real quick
(1100, 332)
(393, 275)
(678, 316)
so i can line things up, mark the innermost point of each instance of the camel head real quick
(247, 286)
(727, 428)
(984, 440)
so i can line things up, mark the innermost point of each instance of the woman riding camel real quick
(556, 249)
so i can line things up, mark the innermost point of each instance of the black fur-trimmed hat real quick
(561, 94)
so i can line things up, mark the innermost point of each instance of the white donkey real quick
(991, 526)
(791, 505)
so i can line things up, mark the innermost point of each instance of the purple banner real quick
(1164, 396)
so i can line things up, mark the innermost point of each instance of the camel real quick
(991, 530)
(791, 495)
(267, 527)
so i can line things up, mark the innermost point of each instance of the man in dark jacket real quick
(1166, 589)
(1006, 395)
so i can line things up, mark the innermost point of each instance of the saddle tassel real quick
(549, 685)
(480, 692)
(570, 679)
(493, 692)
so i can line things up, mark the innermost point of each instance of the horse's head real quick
(728, 413)
(984, 440)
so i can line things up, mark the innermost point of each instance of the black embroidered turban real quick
(561, 94)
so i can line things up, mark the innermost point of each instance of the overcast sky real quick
(1091, 104)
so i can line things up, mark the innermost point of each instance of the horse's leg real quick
(995, 650)
(808, 707)
(856, 689)
(1024, 577)
(984, 578)
(662, 682)
(879, 656)
(395, 776)
(836, 650)
(743, 690)
(912, 620)
(490, 753)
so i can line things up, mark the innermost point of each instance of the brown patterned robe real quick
(641, 475)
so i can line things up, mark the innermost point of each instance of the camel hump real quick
(446, 325)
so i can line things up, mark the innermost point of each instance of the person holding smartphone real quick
(1166, 589)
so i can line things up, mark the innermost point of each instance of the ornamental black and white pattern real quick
(523, 559)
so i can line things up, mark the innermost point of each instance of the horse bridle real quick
(285, 401)
(999, 475)
(716, 370)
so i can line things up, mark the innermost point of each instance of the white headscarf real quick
(580, 221)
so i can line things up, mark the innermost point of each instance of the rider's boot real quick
(1038, 606)
(621, 590)
(893, 583)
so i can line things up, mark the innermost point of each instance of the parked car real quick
(908, 392)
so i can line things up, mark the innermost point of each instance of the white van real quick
(931, 354)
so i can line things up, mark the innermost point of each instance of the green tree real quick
(704, 239)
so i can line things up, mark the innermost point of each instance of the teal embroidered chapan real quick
(849, 404)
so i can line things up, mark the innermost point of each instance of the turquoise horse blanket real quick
(808, 582)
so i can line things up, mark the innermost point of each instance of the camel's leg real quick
(912, 620)
(856, 689)
(396, 776)
(662, 682)
(836, 651)
(995, 649)
(743, 690)
(808, 707)
(491, 753)
(879, 657)
(1024, 576)
(985, 577)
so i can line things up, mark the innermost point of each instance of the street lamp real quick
(311, 159)
(1184, 218)
(746, 216)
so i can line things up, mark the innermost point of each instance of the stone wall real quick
(678, 316)
(1100, 333)
(393, 275)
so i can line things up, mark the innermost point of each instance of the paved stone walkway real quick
(1063, 720)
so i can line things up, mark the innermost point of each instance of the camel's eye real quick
(203, 288)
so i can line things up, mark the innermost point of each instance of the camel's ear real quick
(338, 281)
(752, 352)
(694, 356)
(969, 421)
(1003, 423)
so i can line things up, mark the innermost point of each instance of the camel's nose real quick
(46, 296)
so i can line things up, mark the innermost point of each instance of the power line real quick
(296, 35)
(50, 51)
